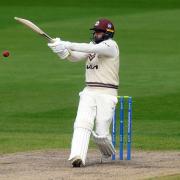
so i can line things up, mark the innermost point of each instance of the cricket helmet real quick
(105, 26)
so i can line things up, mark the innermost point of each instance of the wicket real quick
(122, 100)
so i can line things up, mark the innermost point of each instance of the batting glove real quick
(59, 48)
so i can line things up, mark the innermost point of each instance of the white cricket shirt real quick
(102, 64)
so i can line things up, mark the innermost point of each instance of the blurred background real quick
(39, 92)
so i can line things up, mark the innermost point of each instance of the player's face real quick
(98, 36)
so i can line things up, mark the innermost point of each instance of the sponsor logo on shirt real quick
(91, 66)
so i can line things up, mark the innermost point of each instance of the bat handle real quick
(50, 39)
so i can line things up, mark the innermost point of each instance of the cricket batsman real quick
(99, 97)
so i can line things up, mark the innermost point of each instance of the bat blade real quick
(35, 28)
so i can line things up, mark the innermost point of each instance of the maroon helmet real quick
(103, 25)
(106, 26)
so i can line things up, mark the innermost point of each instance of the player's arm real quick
(64, 53)
(75, 56)
(104, 48)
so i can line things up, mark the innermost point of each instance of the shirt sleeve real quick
(77, 56)
(104, 48)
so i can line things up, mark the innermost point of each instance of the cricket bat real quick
(35, 28)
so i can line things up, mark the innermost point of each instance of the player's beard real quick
(97, 38)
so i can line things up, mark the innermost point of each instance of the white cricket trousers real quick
(94, 107)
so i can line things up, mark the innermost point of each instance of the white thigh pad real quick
(104, 144)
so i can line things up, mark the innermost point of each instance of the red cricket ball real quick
(6, 53)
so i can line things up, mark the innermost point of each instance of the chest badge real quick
(91, 56)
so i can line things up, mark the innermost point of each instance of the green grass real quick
(39, 92)
(170, 177)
